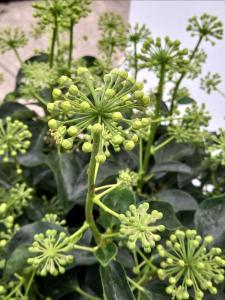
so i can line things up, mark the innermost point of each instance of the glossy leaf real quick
(114, 282)
(106, 253)
(172, 166)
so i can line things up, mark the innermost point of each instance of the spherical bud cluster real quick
(188, 264)
(217, 148)
(14, 138)
(207, 27)
(167, 53)
(12, 39)
(76, 115)
(190, 128)
(124, 178)
(50, 253)
(53, 219)
(210, 82)
(136, 225)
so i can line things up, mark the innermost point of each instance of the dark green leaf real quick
(172, 166)
(169, 219)
(119, 201)
(16, 111)
(185, 100)
(106, 253)
(180, 200)
(210, 216)
(114, 282)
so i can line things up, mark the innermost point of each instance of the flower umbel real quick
(167, 53)
(207, 27)
(14, 138)
(136, 225)
(11, 39)
(210, 82)
(51, 252)
(188, 264)
(217, 149)
(102, 110)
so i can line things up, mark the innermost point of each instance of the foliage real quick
(113, 193)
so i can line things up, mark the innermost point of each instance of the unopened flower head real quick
(139, 33)
(194, 68)
(61, 12)
(53, 218)
(156, 53)
(191, 128)
(138, 225)
(14, 138)
(206, 27)
(189, 264)
(37, 76)
(210, 82)
(12, 39)
(19, 197)
(102, 111)
(217, 148)
(114, 33)
(50, 253)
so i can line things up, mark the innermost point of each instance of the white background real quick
(170, 18)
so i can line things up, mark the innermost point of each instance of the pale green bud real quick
(117, 116)
(56, 93)
(67, 144)
(87, 147)
(72, 130)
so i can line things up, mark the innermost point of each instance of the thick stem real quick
(174, 95)
(70, 44)
(154, 125)
(91, 189)
(52, 50)
(30, 283)
(18, 56)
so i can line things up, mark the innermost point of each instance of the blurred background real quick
(162, 18)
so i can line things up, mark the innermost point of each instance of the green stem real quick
(140, 157)
(70, 44)
(29, 283)
(136, 285)
(53, 42)
(163, 144)
(154, 125)
(18, 56)
(86, 295)
(84, 248)
(106, 208)
(79, 232)
(91, 189)
(40, 99)
(220, 92)
(174, 95)
(135, 61)
(113, 187)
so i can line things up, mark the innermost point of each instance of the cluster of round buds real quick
(10, 227)
(128, 177)
(18, 197)
(102, 111)
(167, 53)
(190, 128)
(207, 27)
(50, 251)
(189, 264)
(14, 138)
(210, 82)
(11, 39)
(54, 219)
(136, 225)
(217, 149)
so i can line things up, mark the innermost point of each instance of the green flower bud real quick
(64, 80)
(109, 93)
(138, 95)
(117, 116)
(137, 124)
(66, 106)
(100, 158)
(82, 70)
(50, 107)
(56, 93)
(67, 144)
(145, 100)
(73, 90)
(84, 106)
(53, 124)
(3, 208)
(97, 128)
(72, 130)
(117, 139)
(87, 147)
(145, 122)
(129, 145)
